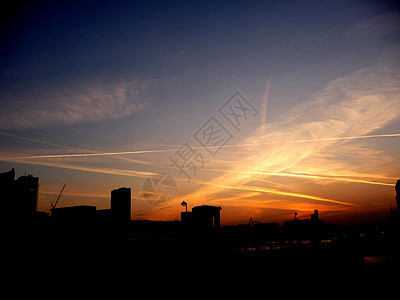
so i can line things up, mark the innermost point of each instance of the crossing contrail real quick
(88, 154)
(279, 192)
(338, 178)
(303, 175)
(211, 147)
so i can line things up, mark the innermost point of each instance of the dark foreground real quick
(150, 244)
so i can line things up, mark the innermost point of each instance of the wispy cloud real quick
(71, 166)
(383, 24)
(352, 106)
(144, 151)
(69, 106)
(280, 192)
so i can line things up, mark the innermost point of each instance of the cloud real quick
(91, 104)
(79, 167)
(380, 25)
(350, 106)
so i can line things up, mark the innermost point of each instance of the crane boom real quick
(58, 198)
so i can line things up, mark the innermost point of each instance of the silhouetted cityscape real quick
(198, 233)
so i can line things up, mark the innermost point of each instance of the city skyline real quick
(262, 108)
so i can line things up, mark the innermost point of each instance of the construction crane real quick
(53, 207)
(251, 222)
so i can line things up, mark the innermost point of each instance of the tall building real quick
(7, 187)
(19, 197)
(7, 177)
(27, 192)
(121, 204)
(397, 187)
(395, 211)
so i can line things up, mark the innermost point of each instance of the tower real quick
(27, 193)
(121, 204)
(397, 187)
(315, 217)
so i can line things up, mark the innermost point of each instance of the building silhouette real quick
(315, 217)
(19, 197)
(27, 194)
(397, 187)
(7, 177)
(314, 220)
(204, 217)
(7, 187)
(394, 211)
(77, 214)
(121, 204)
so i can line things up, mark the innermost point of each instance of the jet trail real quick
(273, 191)
(173, 150)
(302, 175)
(324, 177)
(88, 154)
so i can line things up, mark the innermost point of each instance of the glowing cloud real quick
(92, 104)
(348, 108)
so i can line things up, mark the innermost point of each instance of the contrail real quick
(316, 140)
(88, 154)
(272, 191)
(324, 177)
(211, 147)
(347, 138)
(303, 175)
(265, 103)
(75, 194)
(121, 172)
(32, 140)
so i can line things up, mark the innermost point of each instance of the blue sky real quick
(100, 76)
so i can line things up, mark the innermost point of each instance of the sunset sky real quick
(261, 107)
